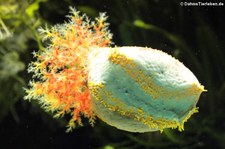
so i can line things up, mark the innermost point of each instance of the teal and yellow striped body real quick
(141, 89)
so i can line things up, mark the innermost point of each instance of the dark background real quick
(193, 34)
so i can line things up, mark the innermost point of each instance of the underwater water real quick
(111, 110)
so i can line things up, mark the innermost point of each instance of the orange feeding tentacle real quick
(60, 71)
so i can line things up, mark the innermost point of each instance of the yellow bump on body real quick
(146, 82)
(98, 91)
(196, 88)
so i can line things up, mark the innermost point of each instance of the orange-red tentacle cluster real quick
(60, 71)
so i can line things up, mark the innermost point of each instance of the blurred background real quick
(194, 35)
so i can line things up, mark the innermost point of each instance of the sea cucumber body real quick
(141, 89)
